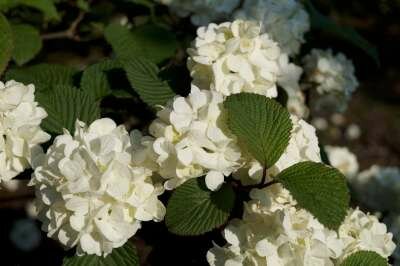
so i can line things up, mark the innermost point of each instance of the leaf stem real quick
(69, 33)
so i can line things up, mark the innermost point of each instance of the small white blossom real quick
(342, 159)
(89, 193)
(378, 188)
(286, 21)
(303, 146)
(274, 232)
(192, 140)
(353, 132)
(333, 76)
(234, 57)
(202, 11)
(21, 135)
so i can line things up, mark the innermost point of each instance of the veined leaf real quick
(6, 43)
(260, 123)
(27, 43)
(47, 7)
(319, 189)
(143, 77)
(194, 210)
(64, 105)
(364, 258)
(123, 256)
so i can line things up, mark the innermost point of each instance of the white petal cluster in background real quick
(303, 146)
(378, 188)
(333, 76)
(89, 194)
(274, 232)
(342, 159)
(20, 118)
(285, 21)
(202, 11)
(191, 140)
(235, 57)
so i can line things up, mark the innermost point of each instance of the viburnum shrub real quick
(125, 140)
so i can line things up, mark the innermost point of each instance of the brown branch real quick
(69, 33)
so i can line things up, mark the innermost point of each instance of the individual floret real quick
(342, 159)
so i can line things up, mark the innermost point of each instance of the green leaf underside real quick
(6, 43)
(194, 210)
(143, 77)
(47, 7)
(27, 43)
(123, 256)
(260, 123)
(43, 76)
(94, 79)
(64, 105)
(319, 21)
(320, 189)
(364, 258)
(153, 42)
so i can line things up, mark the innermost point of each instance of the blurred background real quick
(370, 127)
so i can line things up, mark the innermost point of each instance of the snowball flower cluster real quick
(285, 21)
(20, 118)
(234, 57)
(378, 188)
(191, 140)
(303, 146)
(333, 75)
(202, 11)
(89, 194)
(342, 159)
(274, 232)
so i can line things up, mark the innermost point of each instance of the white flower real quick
(334, 78)
(274, 232)
(361, 231)
(285, 21)
(89, 193)
(192, 140)
(234, 57)
(378, 188)
(20, 118)
(202, 11)
(303, 146)
(342, 159)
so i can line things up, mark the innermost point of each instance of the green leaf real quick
(27, 43)
(6, 43)
(43, 76)
(153, 42)
(194, 210)
(364, 258)
(320, 189)
(47, 7)
(143, 77)
(321, 22)
(64, 105)
(123, 256)
(83, 4)
(261, 124)
(94, 79)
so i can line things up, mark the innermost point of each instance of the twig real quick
(69, 33)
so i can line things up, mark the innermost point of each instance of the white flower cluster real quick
(334, 78)
(20, 118)
(192, 140)
(343, 159)
(303, 146)
(202, 11)
(89, 194)
(378, 188)
(234, 57)
(274, 232)
(285, 21)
